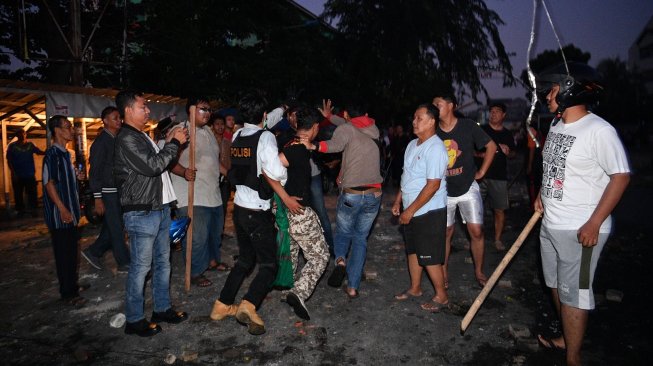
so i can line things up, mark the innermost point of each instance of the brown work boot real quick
(246, 314)
(221, 310)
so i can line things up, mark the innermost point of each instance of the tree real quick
(550, 58)
(397, 54)
(624, 97)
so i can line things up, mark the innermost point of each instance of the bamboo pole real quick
(191, 195)
(497, 272)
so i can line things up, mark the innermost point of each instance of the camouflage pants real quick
(306, 233)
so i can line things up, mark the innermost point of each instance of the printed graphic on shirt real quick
(453, 153)
(556, 150)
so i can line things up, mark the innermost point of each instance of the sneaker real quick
(298, 305)
(92, 260)
(122, 269)
(142, 328)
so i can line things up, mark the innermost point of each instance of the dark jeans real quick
(317, 199)
(21, 186)
(112, 235)
(256, 242)
(65, 245)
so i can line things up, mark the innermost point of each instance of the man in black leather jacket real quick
(145, 195)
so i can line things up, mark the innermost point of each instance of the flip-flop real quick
(434, 306)
(201, 281)
(220, 267)
(548, 343)
(406, 295)
(355, 295)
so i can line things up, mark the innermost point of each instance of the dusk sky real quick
(604, 28)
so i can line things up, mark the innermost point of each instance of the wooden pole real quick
(191, 195)
(497, 272)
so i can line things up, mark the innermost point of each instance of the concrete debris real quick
(188, 356)
(527, 344)
(170, 359)
(505, 284)
(614, 295)
(519, 331)
(371, 275)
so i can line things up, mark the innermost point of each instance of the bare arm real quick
(432, 186)
(186, 173)
(51, 190)
(588, 234)
(487, 160)
(290, 202)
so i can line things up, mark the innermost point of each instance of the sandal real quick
(351, 295)
(406, 295)
(201, 281)
(220, 267)
(549, 344)
(434, 306)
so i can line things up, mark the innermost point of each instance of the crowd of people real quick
(451, 166)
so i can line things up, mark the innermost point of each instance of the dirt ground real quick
(375, 329)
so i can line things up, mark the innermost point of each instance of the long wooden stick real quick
(497, 272)
(191, 195)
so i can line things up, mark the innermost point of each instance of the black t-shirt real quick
(499, 167)
(299, 172)
(461, 142)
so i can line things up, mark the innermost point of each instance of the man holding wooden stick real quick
(145, 196)
(585, 174)
(207, 219)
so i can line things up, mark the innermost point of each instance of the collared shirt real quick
(58, 168)
(267, 160)
(207, 178)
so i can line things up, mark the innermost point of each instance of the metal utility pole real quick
(77, 74)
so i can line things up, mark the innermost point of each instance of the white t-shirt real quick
(168, 191)
(267, 159)
(427, 160)
(207, 178)
(578, 159)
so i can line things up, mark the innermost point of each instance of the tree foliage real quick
(401, 52)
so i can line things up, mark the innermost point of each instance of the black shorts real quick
(425, 236)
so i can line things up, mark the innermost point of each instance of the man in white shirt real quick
(585, 174)
(254, 161)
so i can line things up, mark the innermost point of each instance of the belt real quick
(356, 191)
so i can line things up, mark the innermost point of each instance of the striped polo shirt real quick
(58, 168)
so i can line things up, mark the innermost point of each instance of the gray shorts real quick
(470, 205)
(497, 192)
(569, 267)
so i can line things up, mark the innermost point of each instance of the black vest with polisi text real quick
(243, 165)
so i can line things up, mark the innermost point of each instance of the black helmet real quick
(578, 85)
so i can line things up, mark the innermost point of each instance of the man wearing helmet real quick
(585, 174)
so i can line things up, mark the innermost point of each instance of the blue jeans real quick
(317, 199)
(149, 242)
(354, 217)
(207, 236)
